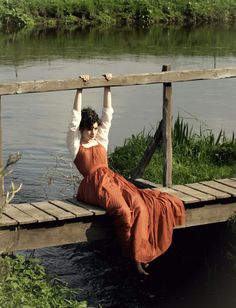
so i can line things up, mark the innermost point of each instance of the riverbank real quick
(76, 13)
(197, 156)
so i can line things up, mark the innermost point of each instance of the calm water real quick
(35, 125)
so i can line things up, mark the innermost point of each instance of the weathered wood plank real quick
(122, 80)
(220, 186)
(93, 209)
(192, 192)
(75, 209)
(167, 130)
(34, 212)
(208, 190)
(146, 183)
(8, 240)
(74, 232)
(7, 221)
(53, 210)
(208, 215)
(67, 233)
(15, 213)
(152, 146)
(187, 199)
(228, 182)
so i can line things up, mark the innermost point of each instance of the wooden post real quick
(166, 130)
(1, 159)
(154, 143)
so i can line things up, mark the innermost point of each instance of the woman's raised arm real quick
(107, 112)
(107, 102)
(73, 133)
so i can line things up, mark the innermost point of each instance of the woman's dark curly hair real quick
(88, 118)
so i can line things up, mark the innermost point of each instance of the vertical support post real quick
(1, 159)
(167, 130)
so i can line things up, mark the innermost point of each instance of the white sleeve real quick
(103, 131)
(73, 134)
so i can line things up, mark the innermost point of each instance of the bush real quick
(25, 284)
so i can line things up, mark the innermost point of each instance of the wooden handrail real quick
(165, 77)
(117, 81)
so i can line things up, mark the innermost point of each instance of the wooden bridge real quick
(58, 222)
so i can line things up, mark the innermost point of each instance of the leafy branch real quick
(6, 170)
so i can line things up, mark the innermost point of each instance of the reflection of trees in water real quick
(29, 45)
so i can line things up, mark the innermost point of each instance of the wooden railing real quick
(166, 77)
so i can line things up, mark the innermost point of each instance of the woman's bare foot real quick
(108, 76)
(141, 269)
(85, 78)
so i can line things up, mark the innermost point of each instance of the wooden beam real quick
(122, 80)
(48, 236)
(154, 143)
(209, 214)
(167, 131)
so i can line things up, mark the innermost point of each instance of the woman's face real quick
(90, 134)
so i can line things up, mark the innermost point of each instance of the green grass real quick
(23, 283)
(22, 13)
(196, 156)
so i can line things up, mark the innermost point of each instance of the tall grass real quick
(196, 156)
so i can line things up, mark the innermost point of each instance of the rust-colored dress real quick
(144, 219)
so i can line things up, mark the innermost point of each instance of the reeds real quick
(196, 156)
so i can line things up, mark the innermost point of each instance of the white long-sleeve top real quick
(74, 136)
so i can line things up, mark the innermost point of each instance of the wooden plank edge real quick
(221, 181)
(82, 211)
(68, 233)
(96, 210)
(64, 214)
(120, 80)
(145, 183)
(208, 215)
(225, 188)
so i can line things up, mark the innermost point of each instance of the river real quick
(35, 125)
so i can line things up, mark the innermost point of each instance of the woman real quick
(143, 219)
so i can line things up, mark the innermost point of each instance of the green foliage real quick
(196, 157)
(25, 284)
(14, 15)
(133, 12)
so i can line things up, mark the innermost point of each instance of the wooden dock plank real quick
(228, 182)
(7, 221)
(18, 215)
(221, 187)
(53, 210)
(93, 209)
(209, 214)
(31, 210)
(75, 209)
(211, 191)
(187, 199)
(192, 192)
(146, 183)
